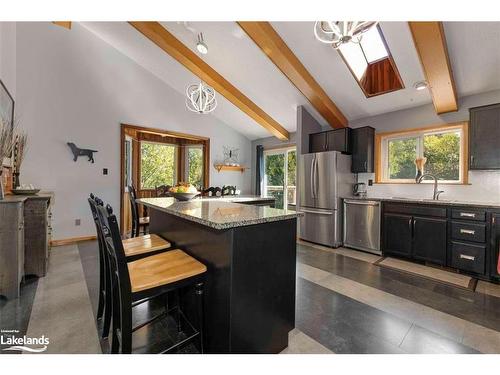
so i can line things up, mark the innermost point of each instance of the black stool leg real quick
(178, 309)
(100, 305)
(108, 304)
(200, 309)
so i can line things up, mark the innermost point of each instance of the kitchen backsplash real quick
(484, 186)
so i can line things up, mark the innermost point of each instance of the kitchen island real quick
(250, 253)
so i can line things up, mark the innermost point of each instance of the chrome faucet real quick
(436, 193)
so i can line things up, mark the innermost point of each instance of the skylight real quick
(371, 64)
(359, 55)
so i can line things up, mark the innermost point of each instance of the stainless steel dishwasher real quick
(362, 225)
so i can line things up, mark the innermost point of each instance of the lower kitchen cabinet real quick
(466, 238)
(398, 234)
(429, 239)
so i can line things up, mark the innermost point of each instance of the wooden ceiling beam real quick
(156, 33)
(270, 42)
(65, 24)
(430, 43)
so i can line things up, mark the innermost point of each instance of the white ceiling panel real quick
(474, 50)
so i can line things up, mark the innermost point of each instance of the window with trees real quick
(158, 164)
(194, 166)
(444, 148)
(280, 168)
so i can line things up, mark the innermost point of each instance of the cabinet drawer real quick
(468, 257)
(468, 231)
(468, 214)
(410, 209)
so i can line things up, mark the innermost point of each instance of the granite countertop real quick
(444, 202)
(217, 213)
(238, 198)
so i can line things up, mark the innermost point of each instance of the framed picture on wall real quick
(6, 112)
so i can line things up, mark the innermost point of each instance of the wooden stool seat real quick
(144, 244)
(144, 220)
(162, 269)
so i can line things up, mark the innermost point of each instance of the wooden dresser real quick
(25, 232)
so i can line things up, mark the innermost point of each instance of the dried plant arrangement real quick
(6, 140)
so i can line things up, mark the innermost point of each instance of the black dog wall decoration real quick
(81, 152)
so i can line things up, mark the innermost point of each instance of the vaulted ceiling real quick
(472, 47)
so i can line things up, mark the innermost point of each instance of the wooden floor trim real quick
(71, 240)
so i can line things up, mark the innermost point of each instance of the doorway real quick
(280, 171)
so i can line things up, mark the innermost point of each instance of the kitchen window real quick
(444, 147)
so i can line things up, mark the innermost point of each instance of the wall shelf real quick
(223, 167)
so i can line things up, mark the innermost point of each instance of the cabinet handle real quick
(467, 214)
(472, 160)
(366, 166)
(409, 224)
(467, 257)
(467, 231)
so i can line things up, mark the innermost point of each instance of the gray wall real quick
(483, 185)
(72, 86)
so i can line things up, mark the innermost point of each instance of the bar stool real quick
(137, 222)
(146, 278)
(134, 248)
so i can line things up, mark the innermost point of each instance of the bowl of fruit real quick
(183, 191)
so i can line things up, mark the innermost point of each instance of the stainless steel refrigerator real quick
(324, 178)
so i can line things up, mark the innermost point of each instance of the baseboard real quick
(71, 241)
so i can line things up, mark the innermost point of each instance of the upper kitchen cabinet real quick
(484, 137)
(333, 140)
(363, 141)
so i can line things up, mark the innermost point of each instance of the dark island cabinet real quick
(429, 239)
(332, 140)
(363, 145)
(484, 137)
(398, 234)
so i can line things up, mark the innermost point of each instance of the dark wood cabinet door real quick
(397, 234)
(429, 239)
(317, 142)
(484, 137)
(362, 145)
(495, 246)
(339, 140)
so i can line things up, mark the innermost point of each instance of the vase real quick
(15, 181)
(2, 194)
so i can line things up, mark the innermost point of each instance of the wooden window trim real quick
(464, 126)
(138, 133)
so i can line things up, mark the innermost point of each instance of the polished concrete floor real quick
(346, 303)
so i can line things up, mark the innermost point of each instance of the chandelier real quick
(200, 98)
(337, 33)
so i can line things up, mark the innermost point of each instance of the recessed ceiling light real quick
(201, 46)
(421, 85)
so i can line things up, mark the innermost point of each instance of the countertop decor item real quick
(19, 152)
(21, 191)
(183, 191)
(420, 162)
(81, 152)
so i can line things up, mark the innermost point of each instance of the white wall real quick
(8, 56)
(484, 185)
(73, 87)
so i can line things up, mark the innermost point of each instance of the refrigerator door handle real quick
(316, 178)
(316, 212)
(311, 175)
